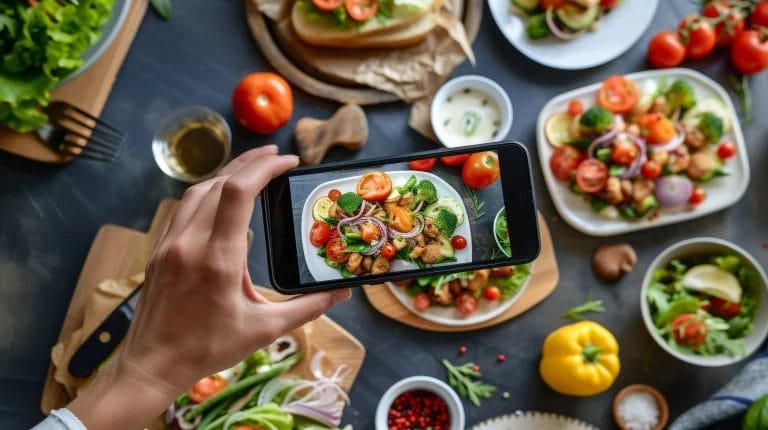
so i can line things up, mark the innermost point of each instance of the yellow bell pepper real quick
(580, 359)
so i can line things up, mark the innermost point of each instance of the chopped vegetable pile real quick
(564, 19)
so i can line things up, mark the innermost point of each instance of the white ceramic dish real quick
(427, 383)
(721, 192)
(533, 420)
(321, 271)
(477, 83)
(709, 246)
(109, 31)
(617, 32)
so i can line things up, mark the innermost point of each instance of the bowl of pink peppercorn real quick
(420, 402)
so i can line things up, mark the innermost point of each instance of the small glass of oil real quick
(192, 143)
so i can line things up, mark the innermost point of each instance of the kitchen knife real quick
(103, 341)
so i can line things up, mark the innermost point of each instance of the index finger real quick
(240, 191)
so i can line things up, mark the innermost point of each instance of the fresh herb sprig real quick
(741, 88)
(476, 203)
(577, 312)
(465, 379)
(163, 8)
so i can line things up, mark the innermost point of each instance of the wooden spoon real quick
(347, 128)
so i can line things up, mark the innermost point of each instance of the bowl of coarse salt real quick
(640, 407)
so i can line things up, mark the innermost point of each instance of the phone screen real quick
(399, 217)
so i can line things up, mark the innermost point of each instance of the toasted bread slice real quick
(402, 30)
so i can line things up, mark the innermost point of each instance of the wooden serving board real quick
(285, 53)
(119, 252)
(544, 279)
(89, 91)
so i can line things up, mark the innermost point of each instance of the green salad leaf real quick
(39, 46)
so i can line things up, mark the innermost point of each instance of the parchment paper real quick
(414, 73)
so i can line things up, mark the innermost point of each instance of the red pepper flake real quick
(462, 349)
(418, 409)
(476, 367)
(501, 358)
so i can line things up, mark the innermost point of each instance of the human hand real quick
(199, 312)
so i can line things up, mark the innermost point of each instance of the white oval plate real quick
(618, 31)
(316, 265)
(450, 316)
(533, 420)
(721, 192)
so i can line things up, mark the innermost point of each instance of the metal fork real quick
(73, 131)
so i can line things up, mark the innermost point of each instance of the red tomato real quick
(618, 94)
(689, 329)
(575, 108)
(564, 162)
(608, 4)
(554, 4)
(334, 249)
(591, 175)
(749, 53)
(421, 302)
(698, 37)
(424, 165)
(466, 302)
(651, 169)
(698, 196)
(491, 293)
(206, 387)
(374, 186)
(481, 169)
(327, 5)
(263, 102)
(725, 308)
(334, 194)
(454, 160)
(319, 234)
(731, 21)
(369, 232)
(666, 49)
(759, 16)
(624, 153)
(388, 251)
(726, 149)
(458, 242)
(361, 10)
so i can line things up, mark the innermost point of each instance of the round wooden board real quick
(315, 85)
(543, 282)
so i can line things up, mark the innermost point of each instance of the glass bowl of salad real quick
(705, 301)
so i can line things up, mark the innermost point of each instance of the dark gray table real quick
(49, 215)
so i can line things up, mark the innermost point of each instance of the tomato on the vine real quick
(749, 53)
(666, 49)
(698, 36)
(726, 149)
(730, 21)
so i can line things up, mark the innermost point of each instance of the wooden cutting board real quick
(89, 91)
(119, 252)
(544, 279)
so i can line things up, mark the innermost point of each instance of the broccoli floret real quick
(349, 202)
(536, 26)
(595, 120)
(680, 95)
(711, 126)
(424, 191)
(446, 221)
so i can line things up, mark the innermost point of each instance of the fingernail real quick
(341, 295)
(292, 157)
(272, 147)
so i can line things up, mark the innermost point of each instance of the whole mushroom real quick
(612, 260)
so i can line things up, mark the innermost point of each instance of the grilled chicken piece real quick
(479, 280)
(431, 253)
(354, 263)
(367, 263)
(380, 265)
(430, 229)
(443, 296)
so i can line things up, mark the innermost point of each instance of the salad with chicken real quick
(641, 148)
(564, 19)
(379, 227)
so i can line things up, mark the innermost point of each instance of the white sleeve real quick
(60, 419)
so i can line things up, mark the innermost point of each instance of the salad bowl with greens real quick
(705, 301)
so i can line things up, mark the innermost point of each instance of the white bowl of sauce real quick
(471, 110)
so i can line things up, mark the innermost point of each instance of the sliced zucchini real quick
(557, 129)
(320, 208)
(526, 5)
(577, 18)
(711, 105)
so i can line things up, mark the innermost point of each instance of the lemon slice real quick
(321, 207)
(712, 280)
(557, 129)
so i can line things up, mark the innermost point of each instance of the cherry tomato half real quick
(421, 302)
(651, 169)
(319, 234)
(725, 308)
(327, 5)
(361, 10)
(374, 186)
(698, 37)
(206, 387)
(624, 153)
(575, 107)
(458, 242)
(263, 102)
(334, 194)
(726, 149)
(697, 196)
(334, 249)
(689, 329)
(491, 293)
(618, 94)
(564, 161)
(466, 302)
(424, 165)
(666, 49)
(454, 160)
(591, 175)
(481, 169)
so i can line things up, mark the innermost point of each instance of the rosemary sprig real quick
(741, 88)
(577, 312)
(465, 379)
(476, 203)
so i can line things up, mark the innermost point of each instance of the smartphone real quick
(401, 217)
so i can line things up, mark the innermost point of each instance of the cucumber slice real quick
(558, 129)
(711, 105)
(577, 18)
(526, 5)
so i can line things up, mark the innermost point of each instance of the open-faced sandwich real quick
(364, 23)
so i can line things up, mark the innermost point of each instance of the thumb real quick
(294, 313)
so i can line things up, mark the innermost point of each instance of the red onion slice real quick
(606, 138)
(642, 157)
(556, 31)
(349, 220)
(675, 142)
(673, 191)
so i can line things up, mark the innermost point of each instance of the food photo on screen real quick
(398, 217)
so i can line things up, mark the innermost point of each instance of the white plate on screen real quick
(618, 31)
(316, 265)
(721, 192)
(533, 420)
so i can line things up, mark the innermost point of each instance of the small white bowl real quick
(703, 246)
(478, 83)
(426, 383)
